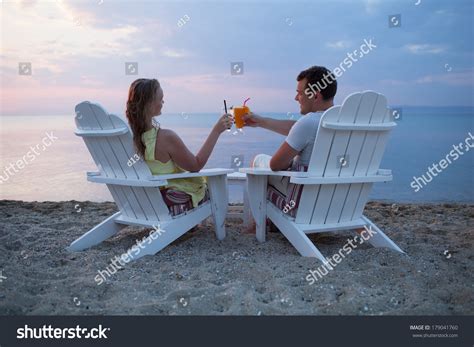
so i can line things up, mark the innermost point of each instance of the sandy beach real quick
(198, 275)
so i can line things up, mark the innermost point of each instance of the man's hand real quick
(252, 120)
(280, 126)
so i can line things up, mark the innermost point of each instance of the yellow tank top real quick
(194, 186)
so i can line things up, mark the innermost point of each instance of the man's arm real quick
(279, 126)
(282, 158)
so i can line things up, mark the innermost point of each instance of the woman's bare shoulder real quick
(167, 133)
(167, 136)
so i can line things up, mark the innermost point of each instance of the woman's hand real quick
(224, 123)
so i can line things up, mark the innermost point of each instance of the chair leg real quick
(258, 186)
(302, 243)
(297, 237)
(219, 202)
(379, 239)
(97, 234)
(160, 238)
(246, 210)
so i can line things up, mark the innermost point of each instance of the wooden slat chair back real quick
(344, 149)
(110, 143)
(135, 190)
(344, 165)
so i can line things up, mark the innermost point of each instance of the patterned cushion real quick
(289, 203)
(179, 202)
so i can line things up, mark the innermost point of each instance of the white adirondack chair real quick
(343, 167)
(135, 190)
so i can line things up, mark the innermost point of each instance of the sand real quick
(198, 275)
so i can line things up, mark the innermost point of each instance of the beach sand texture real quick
(198, 275)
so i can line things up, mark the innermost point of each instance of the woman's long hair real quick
(140, 96)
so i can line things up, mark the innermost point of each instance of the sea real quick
(423, 137)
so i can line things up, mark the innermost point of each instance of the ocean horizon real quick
(424, 136)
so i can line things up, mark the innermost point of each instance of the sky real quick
(78, 50)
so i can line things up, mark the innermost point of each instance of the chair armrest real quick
(237, 176)
(268, 172)
(302, 177)
(97, 177)
(202, 173)
(380, 176)
(99, 133)
(384, 172)
(153, 181)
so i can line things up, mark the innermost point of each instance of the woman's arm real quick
(183, 157)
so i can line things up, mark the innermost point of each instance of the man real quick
(315, 93)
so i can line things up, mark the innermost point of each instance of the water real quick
(424, 136)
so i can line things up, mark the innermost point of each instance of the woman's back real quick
(157, 167)
(194, 186)
(164, 151)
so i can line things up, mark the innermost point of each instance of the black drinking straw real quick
(225, 107)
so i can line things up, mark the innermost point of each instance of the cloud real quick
(424, 48)
(174, 53)
(450, 78)
(338, 44)
(204, 92)
(370, 6)
(59, 41)
(392, 82)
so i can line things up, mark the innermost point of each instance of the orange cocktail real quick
(238, 115)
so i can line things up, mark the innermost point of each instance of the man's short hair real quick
(321, 79)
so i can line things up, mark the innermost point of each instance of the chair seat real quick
(179, 202)
(287, 204)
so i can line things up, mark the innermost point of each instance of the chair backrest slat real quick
(333, 165)
(115, 157)
(121, 200)
(344, 153)
(311, 192)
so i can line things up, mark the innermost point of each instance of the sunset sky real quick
(78, 51)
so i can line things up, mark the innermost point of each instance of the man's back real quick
(302, 136)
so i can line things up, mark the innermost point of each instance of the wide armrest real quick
(100, 132)
(268, 172)
(202, 173)
(381, 176)
(156, 180)
(237, 176)
(360, 127)
(97, 177)
(301, 177)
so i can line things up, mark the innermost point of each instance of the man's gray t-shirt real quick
(302, 135)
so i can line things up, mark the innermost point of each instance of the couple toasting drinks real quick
(165, 152)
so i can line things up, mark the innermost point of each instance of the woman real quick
(163, 150)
